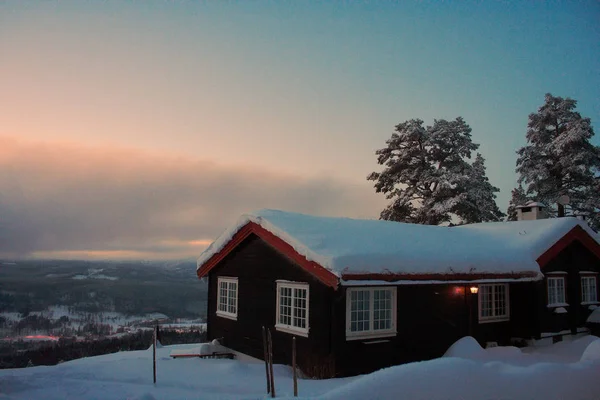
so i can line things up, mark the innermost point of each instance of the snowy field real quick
(567, 370)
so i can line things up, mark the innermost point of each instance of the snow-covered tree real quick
(518, 198)
(478, 197)
(559, 158)
(428, 177)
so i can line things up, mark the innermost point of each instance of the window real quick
(292, 307)
(493, 303)
(227, 300)
(589, 293)
(370, 312)
(556, 291)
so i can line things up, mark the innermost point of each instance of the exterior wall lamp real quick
(474, 289)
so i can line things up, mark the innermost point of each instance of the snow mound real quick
(592, 351)
(466, 347)
(594, 317)
(203, 349)
(456, 378)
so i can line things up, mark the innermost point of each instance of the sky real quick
(142, 129)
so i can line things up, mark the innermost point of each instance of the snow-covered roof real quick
(532, 204)
(354, 246)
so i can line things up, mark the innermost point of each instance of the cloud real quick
(61, 199)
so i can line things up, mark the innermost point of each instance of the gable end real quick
(318, 271)
(577, 233)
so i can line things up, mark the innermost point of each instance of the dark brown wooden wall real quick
(258, 266)
(573, 259)
(429, 319)
(523, 318)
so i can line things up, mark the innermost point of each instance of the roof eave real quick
(455, 277)
(319, 272)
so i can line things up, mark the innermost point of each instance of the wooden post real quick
(271, 363)
(154, 353)
(266, 351)
(294, 366)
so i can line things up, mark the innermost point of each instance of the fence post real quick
(154, 353)
(266, 351)
(294, 366)
(271, 363)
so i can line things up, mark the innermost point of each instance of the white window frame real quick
(556, 294)
(371, 333)
(291, 328)
(593, 299)
(228, 281)
(495, 317)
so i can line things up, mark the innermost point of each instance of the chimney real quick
(531, 211)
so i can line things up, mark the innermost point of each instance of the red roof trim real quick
(577, 233)
(435, 277)
(318, 271)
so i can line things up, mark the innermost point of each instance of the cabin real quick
(360, 295)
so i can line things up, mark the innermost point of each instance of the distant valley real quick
(99, 298)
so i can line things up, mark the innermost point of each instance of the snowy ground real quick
(568, 370)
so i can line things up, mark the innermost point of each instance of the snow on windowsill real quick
(554, 305)
(560, 310)
(589, 303)
(368, 336)
(377, 341)
(592, 307)
(493, 319)
(588, 273)
(228, 316)
(292, 331)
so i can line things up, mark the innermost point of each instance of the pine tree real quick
(479, 196)
(559, 158)
(427, 175)
(518, 198)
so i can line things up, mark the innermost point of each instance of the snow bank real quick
(592, 351)
(203, 349)
(594, 316)
(128, 375)
(466, 347)
(455, 378)
(345, 245)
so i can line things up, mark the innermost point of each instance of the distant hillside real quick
(127, 287)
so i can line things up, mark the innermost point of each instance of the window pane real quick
(227, 296)
(485, 293)
(359, 310)
(293, 307)
(588, 289)
(382, 306)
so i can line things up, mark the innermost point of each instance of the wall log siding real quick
(571, 259)
(258, 266)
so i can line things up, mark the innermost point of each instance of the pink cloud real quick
(63, 198)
